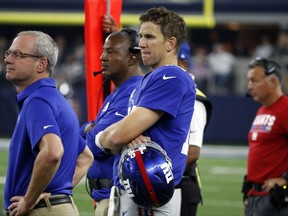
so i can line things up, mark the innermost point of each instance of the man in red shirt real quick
(267, 169)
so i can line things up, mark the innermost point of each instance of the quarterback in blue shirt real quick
(47, 157)
(161, 106)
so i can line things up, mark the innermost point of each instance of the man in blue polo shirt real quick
(121, 64)
(47, 156)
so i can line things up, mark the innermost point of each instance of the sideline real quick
(221, 151)
(4, 144)
(224, 151)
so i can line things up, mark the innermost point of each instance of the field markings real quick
(223, 203)
(224, 170)
(2, 179)
(220, 151)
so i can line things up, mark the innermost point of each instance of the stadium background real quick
(232, 22)
(223, 158)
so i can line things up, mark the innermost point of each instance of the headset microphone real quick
(95, 73)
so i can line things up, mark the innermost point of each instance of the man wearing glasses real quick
(265, 188)
(47, 156)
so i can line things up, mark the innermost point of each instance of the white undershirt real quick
(197, 124)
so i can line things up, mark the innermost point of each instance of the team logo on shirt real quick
(106, 107)
(263, 123)
(47, 126)
(131, 101)
(119, 114)
(18, 118)
(168, 77)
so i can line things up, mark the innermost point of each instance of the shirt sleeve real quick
(40, 120)
(165, 92)
(82, 145)
(197, 125)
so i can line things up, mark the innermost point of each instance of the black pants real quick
(262, 206)
(190, 195)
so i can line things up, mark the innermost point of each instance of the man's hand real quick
(138, 140)
(20, 206)
(270, 183)
(89, 127)
(109, 25)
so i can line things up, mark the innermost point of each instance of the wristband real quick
(99, 145)
(285, 176)
(97, 142)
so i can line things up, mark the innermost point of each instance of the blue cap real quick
(184, 52)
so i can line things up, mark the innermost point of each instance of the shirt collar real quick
(34, 86)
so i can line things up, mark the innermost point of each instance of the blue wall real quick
(8, 107)
(231, 119)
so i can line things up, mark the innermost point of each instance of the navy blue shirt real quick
(172, 90)
(115, 108)
(43, 110)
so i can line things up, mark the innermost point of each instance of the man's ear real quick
(274, 81)
(171, 44)
(43, 64)
(132, 59)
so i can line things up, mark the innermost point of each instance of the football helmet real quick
(145, 172)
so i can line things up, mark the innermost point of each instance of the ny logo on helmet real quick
(167, 172)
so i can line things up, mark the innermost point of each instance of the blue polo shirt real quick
(42, 110)
(172, 90)
(115, 108)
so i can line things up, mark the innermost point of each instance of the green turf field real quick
(221, 185)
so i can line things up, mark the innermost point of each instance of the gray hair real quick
(44, 46)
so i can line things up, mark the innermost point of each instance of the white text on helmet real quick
(167, 172)
(127, 187)
(131, 152)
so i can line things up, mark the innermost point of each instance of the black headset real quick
(133, 38)
(268, 65)
(271, 67)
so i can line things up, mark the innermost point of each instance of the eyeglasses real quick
(19, 55)
(269, 68)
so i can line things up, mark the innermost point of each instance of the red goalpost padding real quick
(94, 39)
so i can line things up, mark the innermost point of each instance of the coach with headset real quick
(265, 186)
